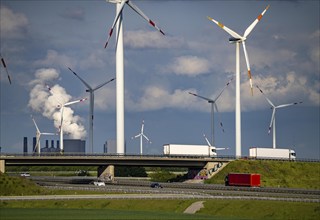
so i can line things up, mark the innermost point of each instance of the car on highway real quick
(156, 185)
(25, 174)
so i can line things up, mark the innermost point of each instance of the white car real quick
(25, 174)
(96, 183)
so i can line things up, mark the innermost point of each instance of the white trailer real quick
(272, 153)
(189, 150)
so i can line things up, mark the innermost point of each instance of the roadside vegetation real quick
(275, 173)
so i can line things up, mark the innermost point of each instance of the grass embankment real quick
(275, 173)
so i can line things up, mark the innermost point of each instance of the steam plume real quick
(41, 100)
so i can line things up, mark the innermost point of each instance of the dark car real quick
(155, 185)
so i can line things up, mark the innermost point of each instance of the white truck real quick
(272, 153)
(189, 150)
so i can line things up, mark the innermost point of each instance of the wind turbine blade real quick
(272, 119)
(228, 30)
(216, 107)
(35, 124)
(99, 86)
(114, 22)
(248, 65)
(207, 99)
(142, 126)
(73, 102)
(146, 137)
(136, 9)
(84, 82)
(223, 89)
(221, 125)
(255, 22)
(207, 140)
(5, 67)
(266, 97)
(286, 105)
(138, 135)
(48, 133)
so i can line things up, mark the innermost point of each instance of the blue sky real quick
(41, 39)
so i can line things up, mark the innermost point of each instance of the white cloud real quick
(189, 65)
(14, 25)
(150, 39)
(156, 97)
(53, 58)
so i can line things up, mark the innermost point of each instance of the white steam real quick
(41, 100)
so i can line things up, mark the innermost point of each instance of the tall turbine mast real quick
(273, 116)
(120, 65)
(62, 106)
(142, 135)
(91, 91)
(214, 105)
(237, 39)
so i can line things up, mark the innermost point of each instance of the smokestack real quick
(58, 144)
(47, 143)
(25, 145)
(34, 142)
(52, 143)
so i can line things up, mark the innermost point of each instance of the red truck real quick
(243, 179)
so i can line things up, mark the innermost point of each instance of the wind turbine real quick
(38, 135)
(62, 106)
(120, 65)
(237, 39)
(141, 135)
(273, 116)
(213, 106)
(216, 148)
(91, 91)
(5, 67)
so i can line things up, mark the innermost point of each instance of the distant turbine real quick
(120, 65)
(62, 106)
(91, 91)
(273, 116)
(213, 105)
(5, 67)
(210, 145)
(38, 135)
(142, 135)
(236, 38)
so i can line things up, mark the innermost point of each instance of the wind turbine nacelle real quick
(233, 40)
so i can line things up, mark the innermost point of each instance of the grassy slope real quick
(275, 173)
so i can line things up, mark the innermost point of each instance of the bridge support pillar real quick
(106, 173)
(2, 166)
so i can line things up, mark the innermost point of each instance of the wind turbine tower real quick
(214, 105)
(120, 65)
(38, 135)
(273, 116)
(91, 91)
(237, 39)
(142, 135)
(62, 106)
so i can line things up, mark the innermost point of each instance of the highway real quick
(132, 189)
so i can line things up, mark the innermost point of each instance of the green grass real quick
(156, 209)
(275, 173)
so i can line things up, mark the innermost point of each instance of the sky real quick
(41, 39)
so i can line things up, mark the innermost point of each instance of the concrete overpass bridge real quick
(106, 163)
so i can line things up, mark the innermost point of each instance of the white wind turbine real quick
(273, 116)
(91, 91)
(62, 106)
(216, 148)
(120, 65)
(214, 105)
(38, 135)
(5, 67)
(142, 135)
(236, 38)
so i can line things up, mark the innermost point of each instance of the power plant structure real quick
(70, 146)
